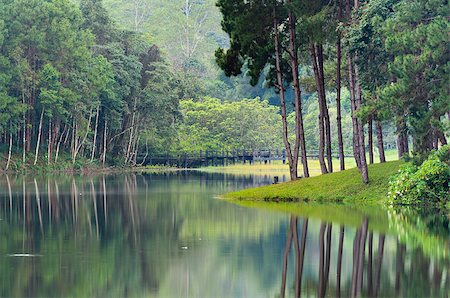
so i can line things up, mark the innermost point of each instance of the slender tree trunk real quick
(362, 148)
(29, 127)
(380, 141)
(9, 151)
(132, 132)
(56, 133)
(370, 133)
(379, 263)
(49, 146)
(24, 132)
(323, 166)
(59, 142)
(39, 137)
(353, 107)
(351, 80)
(356, 95)
(326, 115)
(441, 137)
(73, 139)
(80, 143)
(402, 139)
(94, 143)
(338, 94)
(300, 134)
(105, 143)
(292, 164)
(146, 153)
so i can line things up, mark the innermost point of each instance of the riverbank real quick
(339, 187)
(65, 165)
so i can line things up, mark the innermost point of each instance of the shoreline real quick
(339, 187)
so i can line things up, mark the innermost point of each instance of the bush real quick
(426, 184)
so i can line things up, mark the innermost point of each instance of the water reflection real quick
(403, 274)
(165, 235)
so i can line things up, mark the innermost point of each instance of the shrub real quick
(426, 184)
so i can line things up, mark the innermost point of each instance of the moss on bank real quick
(340, 187)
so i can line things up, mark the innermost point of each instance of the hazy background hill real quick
(187, 31)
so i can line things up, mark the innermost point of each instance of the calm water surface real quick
(166, 235)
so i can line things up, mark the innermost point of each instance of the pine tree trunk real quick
(94, 143)
(39, 137)
(355, 137)
(380, 141)
(441, 137)
(292, 164)
(132, 132)
(325, 108)
(351, 80)
(79, 143)
(59, 142)
(338, 95)
(146, 154)
(9, 151)
(370, 133)
(300, 144)
(355, 92)
(323, 166)
(29, 127)
(362, 149)
(402, 139)
(24, 132)
(49, 146)
(104, 143)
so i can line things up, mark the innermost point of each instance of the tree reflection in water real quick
(123, 236)
(366, 267)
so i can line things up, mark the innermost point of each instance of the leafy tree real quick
(213, 124)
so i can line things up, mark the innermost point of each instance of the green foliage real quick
(213, 124)
(402, 56)
(426, 184)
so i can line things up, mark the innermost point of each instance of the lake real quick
(168, 235)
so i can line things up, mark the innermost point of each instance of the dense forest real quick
(394, 52)
(104, 81)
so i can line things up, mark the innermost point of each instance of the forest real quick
(224, 148)
(101, 82)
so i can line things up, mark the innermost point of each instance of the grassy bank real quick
(339, 187)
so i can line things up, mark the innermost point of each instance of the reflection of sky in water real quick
(167, 235)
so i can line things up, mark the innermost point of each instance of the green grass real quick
(340, 187)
